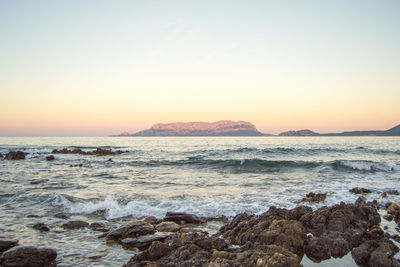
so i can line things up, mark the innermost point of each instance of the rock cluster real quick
(97, 152)
(360, 190)
(314, 197)
(15, 155)
(278, 237)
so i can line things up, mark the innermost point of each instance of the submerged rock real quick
(62, 215)
(75, 225)
(50, 158)
(96, 226)
(97, 152)
(29, 257)
(96, 254)
(15, 155)
(359, 190)
(39, 181)
(41, 227)
(6, 244)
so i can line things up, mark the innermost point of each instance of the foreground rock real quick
(97, 152)
(29, 257)
(15, 155)
(131, 230)
(7, 244)
(278, 237)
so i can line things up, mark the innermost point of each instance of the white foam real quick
(371, 166)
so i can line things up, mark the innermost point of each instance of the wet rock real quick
(41, 227)
(182, 218)
(1, 156)
(388, 217)
(394, 209)
(132, 229)
(97, 152)
(168, 227)
(360, 190)
(96, 254)
(62, 215)
(39, 181)
(96, 226)
(6, 244)
(29, 257)
(375, 253)
(15, 155)
(392, 192)
(143, 242)
(150, 219)
(32, 216)
(50, 158)
(314, 197)
(75, 225)
(110, 159)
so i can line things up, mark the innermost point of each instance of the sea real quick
(206, 176)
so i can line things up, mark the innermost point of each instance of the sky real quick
(94, 67)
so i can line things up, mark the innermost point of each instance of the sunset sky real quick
(104, 67)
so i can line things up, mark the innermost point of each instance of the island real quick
(395, 131)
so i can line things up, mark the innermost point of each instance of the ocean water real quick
(207, 176)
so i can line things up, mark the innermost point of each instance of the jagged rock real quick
(29, 257)
(50, 158)
(314, 197)
(41, 227)
(15, 155)
(39, 181)
(375, 253)
(359, 190)
(168, 227)
(75, 224)
(132, 229)
(182, 218)
(150, 219)
(6, 244)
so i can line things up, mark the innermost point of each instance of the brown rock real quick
(15, 155)
(96, 226)
(375, 253)
(29, 257)
(150, 219)
(132, 229)
(75, 224)
(393, 209)
(144, 241)
(314, 197)
(182, 218)
(7, 244)
(168, 227)
(96, 254)
(359, 190)
(41, 227)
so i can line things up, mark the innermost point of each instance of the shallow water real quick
(207, 176)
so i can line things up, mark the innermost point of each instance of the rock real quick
(96, 254)
(75, 224)
(168, 227)
(39, 181)
(314, 197)
(32, 216)
(41, 227)
(29, 257)
(6, 244)
(132, 229)
(359, 190)
(62, 215)
(375, 253)
(96, 226)
(393, 209)
(388, 217)
(15, 155)
(1, 156)
(50, 158)
(392, 192)
(143, 242)
(182, 218)
(150, 219)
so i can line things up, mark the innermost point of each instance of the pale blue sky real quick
(105, 66)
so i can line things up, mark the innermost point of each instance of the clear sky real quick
(102, 67)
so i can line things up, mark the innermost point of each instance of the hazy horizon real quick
(97, 68)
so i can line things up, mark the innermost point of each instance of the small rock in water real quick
(388, 217)
(359, 190)
(314, 197)
(41, 227)
(182, 218)
(110, 159)
(29, 256)
(75, 224)
(18, 155)
(32, 216)
(97, 254)
(62, 215)
(7, 244)
(50, 158)
(39, 181)
(101, 227)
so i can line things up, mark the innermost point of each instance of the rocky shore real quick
(278, 237)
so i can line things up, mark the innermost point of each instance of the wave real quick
(365, 166)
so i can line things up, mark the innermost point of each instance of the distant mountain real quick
(219, 128)
(395, 131)
(305, 132)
